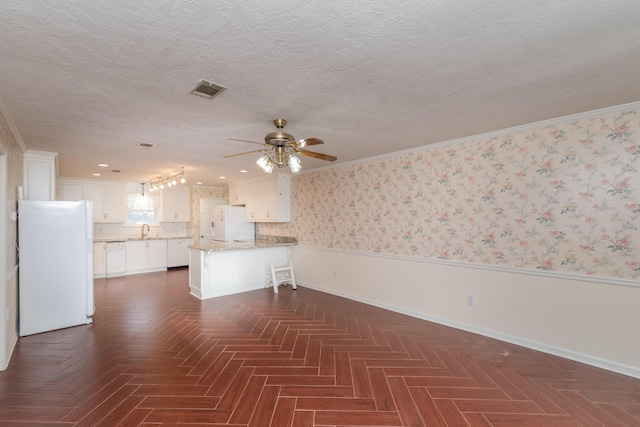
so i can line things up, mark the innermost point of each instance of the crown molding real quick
(487, 135)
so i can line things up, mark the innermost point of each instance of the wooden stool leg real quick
(293, 278)
(274, 279)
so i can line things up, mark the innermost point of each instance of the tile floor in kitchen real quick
(157, 356)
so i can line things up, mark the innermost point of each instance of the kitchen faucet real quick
(148, 231)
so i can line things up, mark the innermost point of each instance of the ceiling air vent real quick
(146, 145)
(207, 89)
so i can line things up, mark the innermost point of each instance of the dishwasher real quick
(116, 258)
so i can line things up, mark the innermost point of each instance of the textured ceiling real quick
(91, 79)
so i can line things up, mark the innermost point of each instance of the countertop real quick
(263, 242)
(125, 239)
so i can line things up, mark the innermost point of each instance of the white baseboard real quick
(578, 357)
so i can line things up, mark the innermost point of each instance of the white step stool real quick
(282, 274)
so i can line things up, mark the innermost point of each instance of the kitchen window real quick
(142, 209)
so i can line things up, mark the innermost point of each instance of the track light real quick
(168, 180)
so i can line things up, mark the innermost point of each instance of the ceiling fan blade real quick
(317, 155)
(309, 141)
(244, 140)
(242, 154)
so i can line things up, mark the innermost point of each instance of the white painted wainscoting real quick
(583, 318)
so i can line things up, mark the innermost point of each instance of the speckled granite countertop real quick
(259, 242)
(125, 239)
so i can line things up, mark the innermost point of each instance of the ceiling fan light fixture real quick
(282, 149)
(294, 163)
(265, 163)
(281, 156)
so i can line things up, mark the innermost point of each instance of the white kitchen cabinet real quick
(71, 191)
(136, 255)
(238, 194)
(178, 252)
(269, 199)
(175, 204)
(108, 202)
(157, 254)
(144, 256)
(39, 175)
(108, 199)
(99, 260)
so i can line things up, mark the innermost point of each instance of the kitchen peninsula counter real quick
(245, 244)
(224, 268)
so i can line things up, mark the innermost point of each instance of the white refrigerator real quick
(55, 287)
(230, 223)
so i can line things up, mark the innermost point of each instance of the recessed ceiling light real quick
(198, 183)
(95, 174)
(243, 171)
(103, 165)
(222, 177)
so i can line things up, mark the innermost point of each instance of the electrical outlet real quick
(471, 300)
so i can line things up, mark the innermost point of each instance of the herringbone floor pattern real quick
(157, 356)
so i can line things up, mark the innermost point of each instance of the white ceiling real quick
(92, 79)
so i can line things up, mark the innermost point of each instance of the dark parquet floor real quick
(157, 356)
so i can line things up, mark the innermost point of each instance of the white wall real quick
(579, 318)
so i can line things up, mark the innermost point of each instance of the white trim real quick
(492, 134)
(12, 346)
(556, 351)
(12, 273)
(4, 110)
(507, 269)
(5, 334)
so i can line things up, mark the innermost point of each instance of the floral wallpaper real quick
(560, 198)
(14, 176)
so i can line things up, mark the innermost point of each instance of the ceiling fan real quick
(282, 148)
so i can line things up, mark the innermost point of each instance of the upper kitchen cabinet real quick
(238, 194)
(267, 199)
(175, 204)
(108, 199)
(39, 175)
(108, 202)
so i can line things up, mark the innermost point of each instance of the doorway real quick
(206, 206)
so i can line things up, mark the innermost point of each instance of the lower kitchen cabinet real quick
(144, 256)
(99, 260)
(178, 252)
